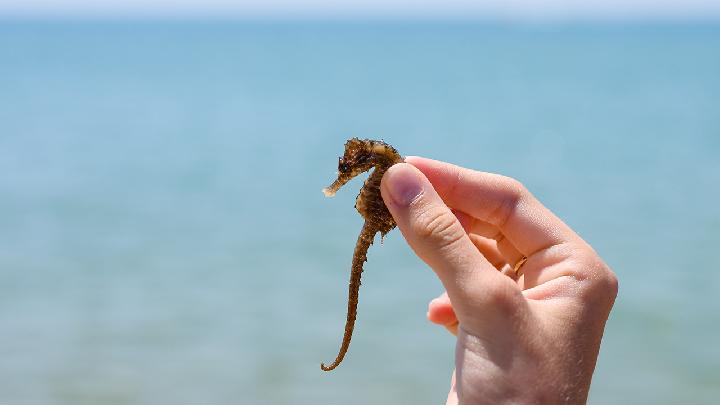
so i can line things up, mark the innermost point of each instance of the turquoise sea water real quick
(164, 240)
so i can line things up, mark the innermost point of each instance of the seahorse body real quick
(361, 156)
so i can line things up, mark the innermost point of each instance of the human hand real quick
(532, 338)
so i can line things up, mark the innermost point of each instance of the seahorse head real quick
(360, 156)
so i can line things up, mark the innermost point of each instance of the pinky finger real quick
(441, 312)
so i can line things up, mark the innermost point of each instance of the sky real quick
(503, 9)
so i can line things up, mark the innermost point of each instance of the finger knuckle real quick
(513, 191)
(602, 281)
(613, 284)
(440, 228)
(606, 280)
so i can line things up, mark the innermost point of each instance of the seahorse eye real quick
(342, 166)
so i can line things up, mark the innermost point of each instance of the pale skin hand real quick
(530, 340)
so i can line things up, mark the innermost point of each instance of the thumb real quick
(438, 238)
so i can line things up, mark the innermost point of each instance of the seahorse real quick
(359, 157)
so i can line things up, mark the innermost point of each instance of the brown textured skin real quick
(361, 156)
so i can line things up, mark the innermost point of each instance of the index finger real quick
(498, 200)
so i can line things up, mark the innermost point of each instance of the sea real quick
(164, 238)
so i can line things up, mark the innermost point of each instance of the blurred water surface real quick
(163, 237)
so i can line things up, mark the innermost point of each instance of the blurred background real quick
(164, 240)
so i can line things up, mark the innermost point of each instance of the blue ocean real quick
(164, 238)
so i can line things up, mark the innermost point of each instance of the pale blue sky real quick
(511, 9)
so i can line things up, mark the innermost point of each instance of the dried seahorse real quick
(361, 156)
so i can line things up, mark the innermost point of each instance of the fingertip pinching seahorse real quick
(359, 157)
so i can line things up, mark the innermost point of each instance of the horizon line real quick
(349, 18)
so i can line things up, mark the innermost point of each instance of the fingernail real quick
(404, 184)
